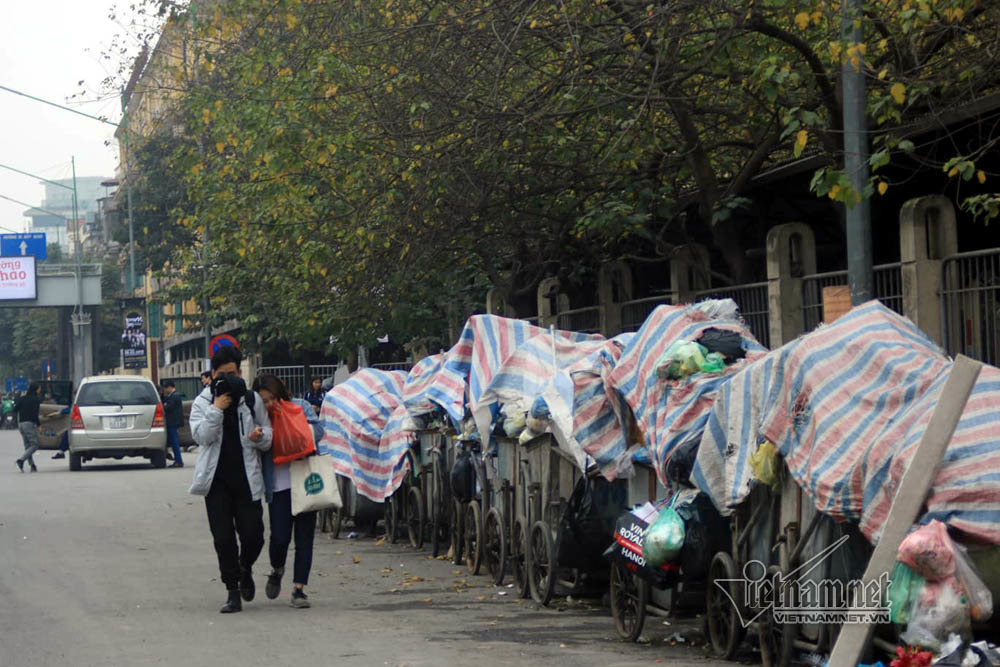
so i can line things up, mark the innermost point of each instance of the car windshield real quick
(117, 393)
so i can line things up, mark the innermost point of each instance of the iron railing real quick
(970, 305)
(294, 377)
(888, 284)
(753, 304)
(394, 366)
(635, 312)
(584, 320)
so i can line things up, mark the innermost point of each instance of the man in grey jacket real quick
(232, 428)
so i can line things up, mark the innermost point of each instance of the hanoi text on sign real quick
(24, 245)
(17, 279)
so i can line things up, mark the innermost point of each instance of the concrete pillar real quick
(614, 287)
(927, 234)
(498, 304)
(64, 336)
(83, 347)
(550, 302)
(791, 254)
(690, 272)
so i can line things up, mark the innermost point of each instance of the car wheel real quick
(75, 461)
(159, 458)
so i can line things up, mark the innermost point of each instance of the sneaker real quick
(59, 455)
(34, 468)
(247, 587)
(299, 599)
(20, 464)
(176, 464)
(273, 587)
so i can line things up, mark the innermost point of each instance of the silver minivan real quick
(115, 416)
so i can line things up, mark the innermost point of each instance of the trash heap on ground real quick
(666, 465)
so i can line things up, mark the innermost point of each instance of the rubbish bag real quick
(714, 363)
(904, 588)
(706, 533)
(727, 343)
(766, 464)
(665, 538)
(514, 421)
(463, 477)
(941, 609)
(629, 533)
(978, 593)
(540, 409)
(587, 525)
(293, 437)
(928, 550)
(681, 463)
(681, 359)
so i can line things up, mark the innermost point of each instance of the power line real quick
(59, 106)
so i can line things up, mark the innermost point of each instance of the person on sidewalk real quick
(278, 491)
(232, 428)
(173, 416)
(314, 397)
(27, 422)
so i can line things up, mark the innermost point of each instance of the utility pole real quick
(128, 197)
(859, 225)
(80, 319)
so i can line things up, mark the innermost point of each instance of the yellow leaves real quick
(533, 24)
(802, 20)
(883, 74)
(898, 92)
(981, 176)
(298, 241)
(882, 187)
(801, 138)
(218, 105)
(220, 146)
(953, 14)
(322, 271)
(332, 148)
(206, 115)
(241, 251)
(291, 20)
(836, 48)
(834, 192)
(393, 70)
(330, 92)
(285, 71)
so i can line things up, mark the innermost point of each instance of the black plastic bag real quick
(727, 343)
(681, 464)
(587, 526)
(706, 532)
(463, 477)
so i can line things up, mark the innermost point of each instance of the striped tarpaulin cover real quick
(853, 403)
(418, 382)
(570, 377)
(354, 414)
(671, 413)
(469, 366)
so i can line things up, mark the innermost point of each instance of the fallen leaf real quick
(357, 559)
(427, 600)
(481, 598)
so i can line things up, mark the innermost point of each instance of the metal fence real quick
(635, 312)
(970, 305)
(584, 320)
(753, 304)
(394, 366)
(294, 377)
(888, 285)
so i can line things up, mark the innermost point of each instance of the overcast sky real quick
(46, 48)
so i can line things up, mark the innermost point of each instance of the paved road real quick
(114, 566)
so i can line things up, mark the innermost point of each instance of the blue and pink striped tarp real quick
(469, 366)
(846, 406)
(354, 414)
(671, 413)
(419, 381)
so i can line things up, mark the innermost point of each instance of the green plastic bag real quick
(714, 363)
(904, 589)
(664, 539)
(681, 359)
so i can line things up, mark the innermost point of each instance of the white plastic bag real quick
(314, 484)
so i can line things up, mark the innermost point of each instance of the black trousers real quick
(231, 511)
(282, 523)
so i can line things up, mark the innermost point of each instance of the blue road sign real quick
(20, 245)
(20, 384)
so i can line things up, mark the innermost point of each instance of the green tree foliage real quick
(349, 168)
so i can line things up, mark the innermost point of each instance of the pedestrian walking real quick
(278, 485)
(314, 397)
(27, 422)
(232, 428)
(173, 417)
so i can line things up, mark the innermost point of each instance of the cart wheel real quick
(495, 545)
(336, 522)
(777, 641)
(724, 628)
(440, 514)
(518, 561)
(415, 517)
(394, 513)
(473, 537)
(629, 597)
(457, 525)
(541, 563)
